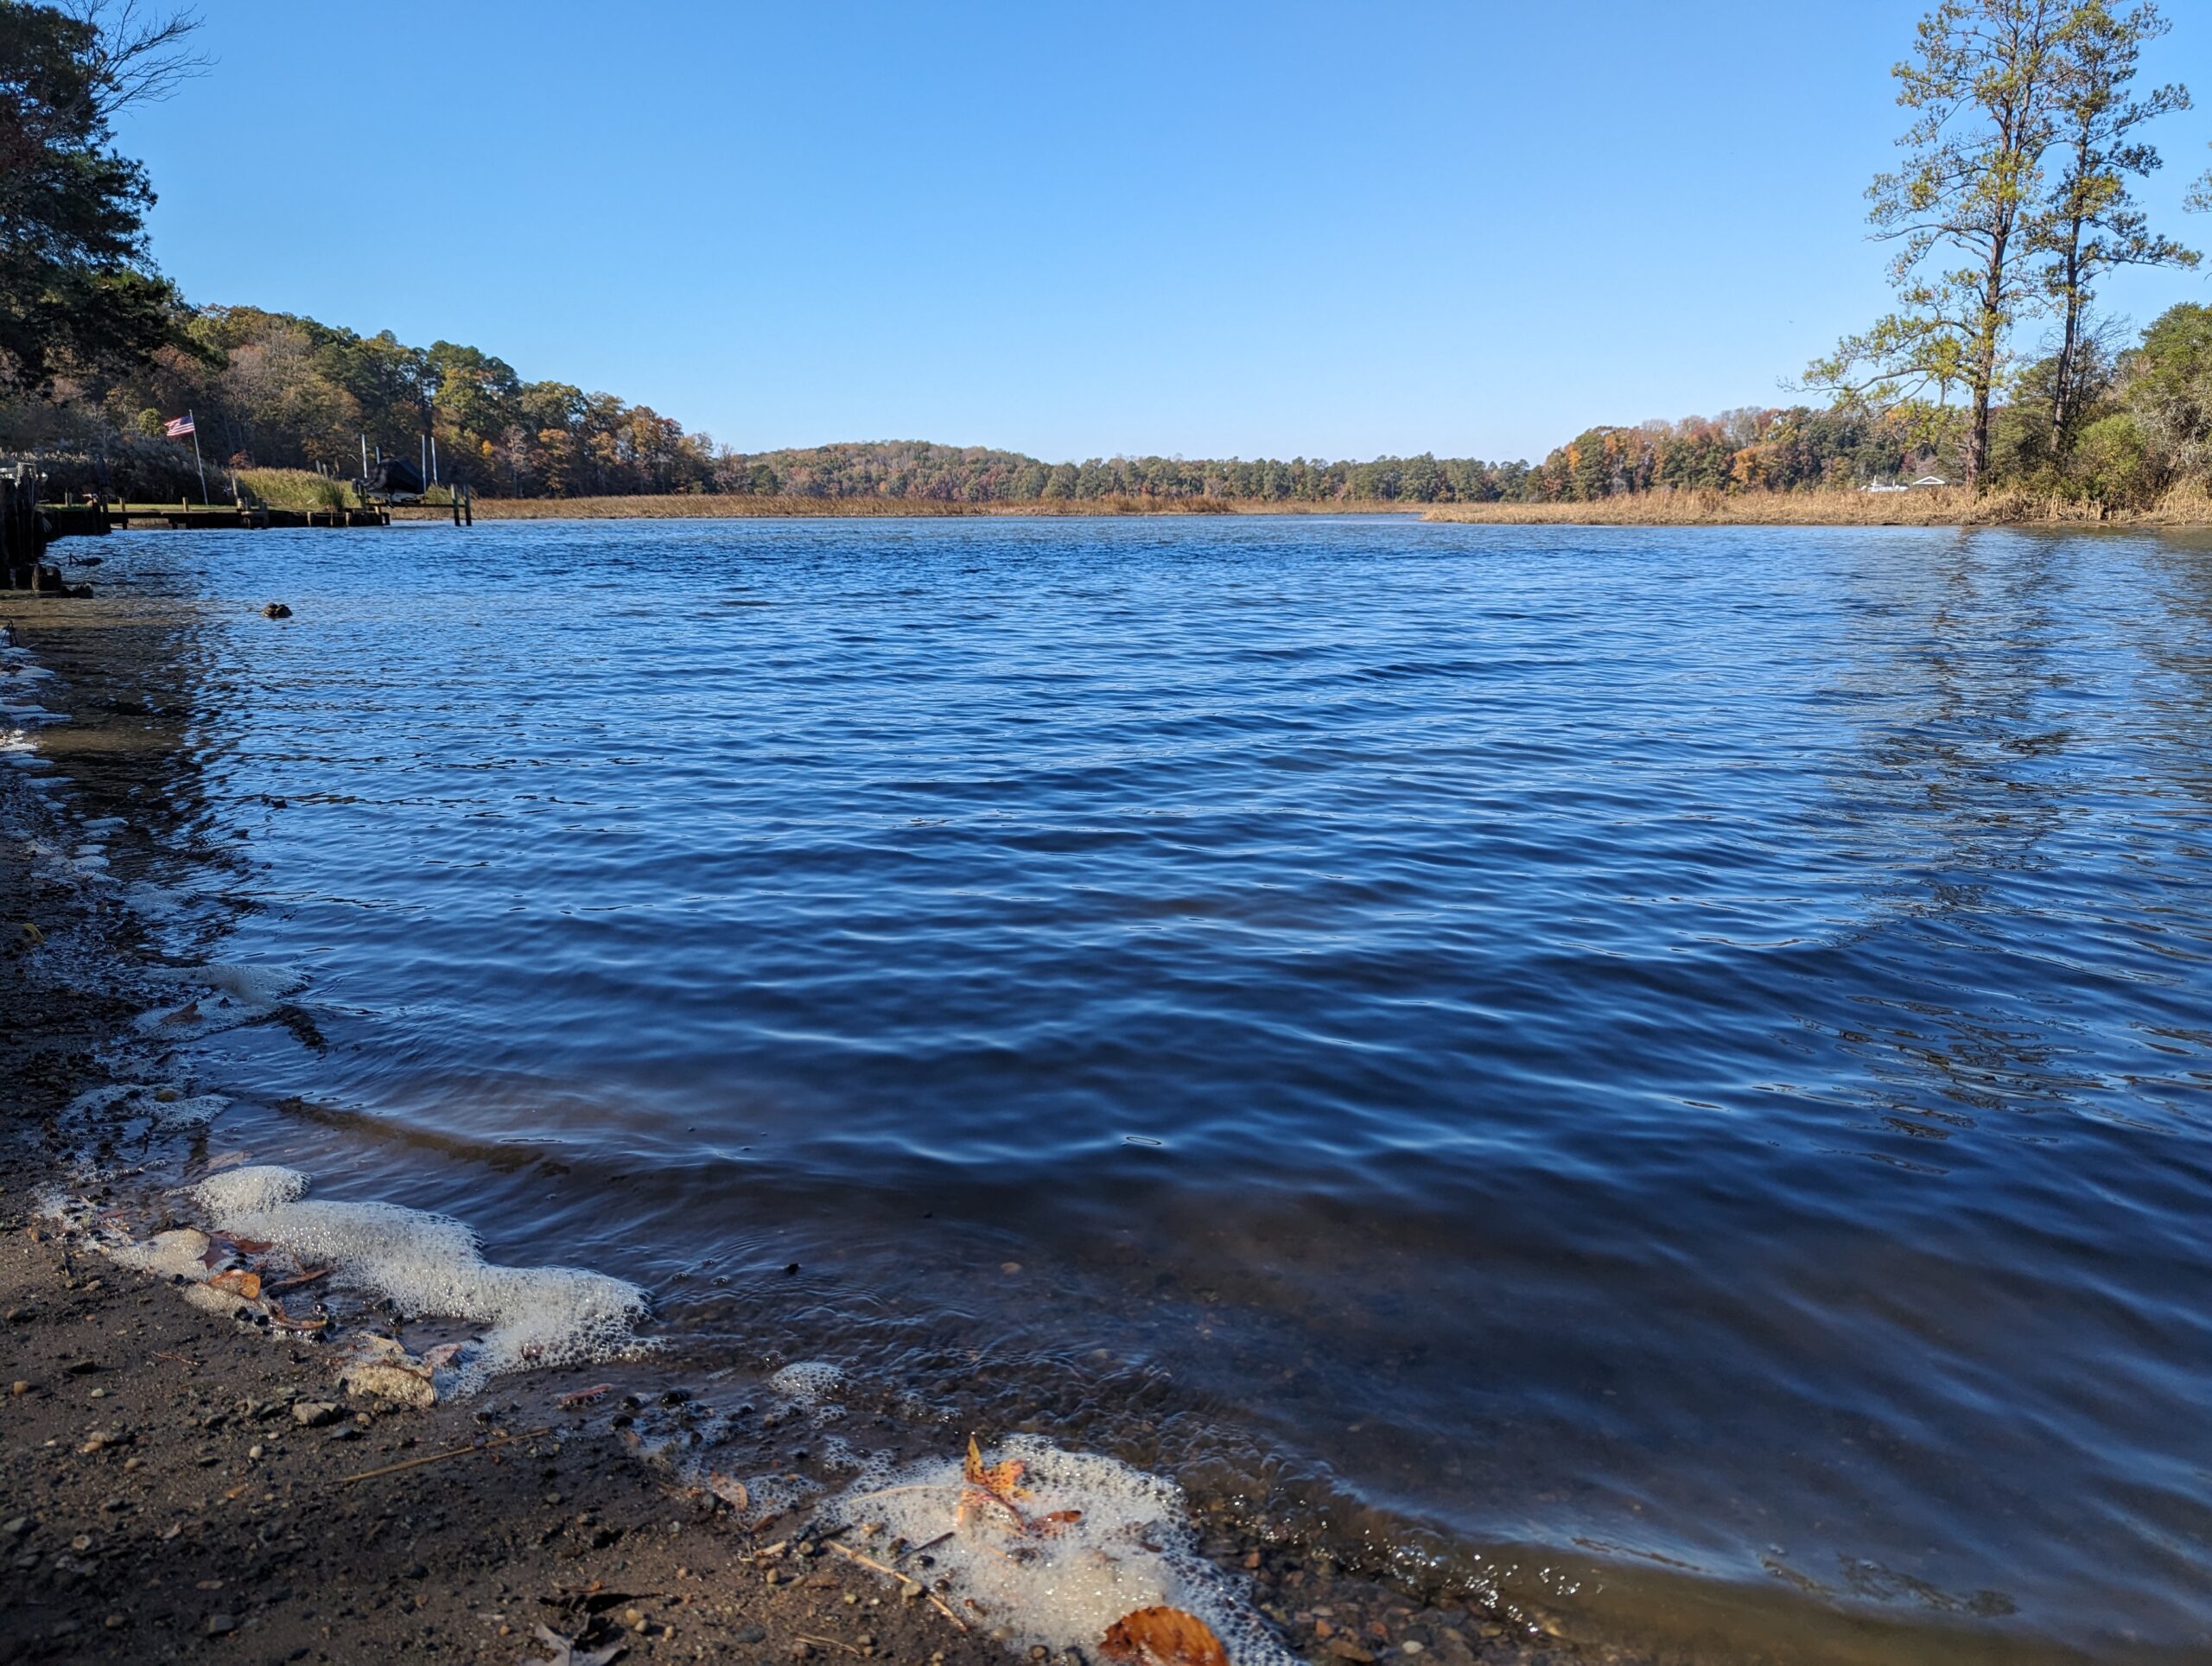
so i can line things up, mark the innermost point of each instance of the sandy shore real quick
(176, 1482)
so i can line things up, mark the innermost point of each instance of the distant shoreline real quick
(692, 506)
(1945, 506)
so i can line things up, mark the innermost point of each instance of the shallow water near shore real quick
(1661, 1072)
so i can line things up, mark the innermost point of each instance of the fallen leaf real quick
(221, 1246)
(585, 1397)
(237, 1282)
(989, 1484)
(731, 1492)
(1163, 1636)
(990, 1487)
(32, 935)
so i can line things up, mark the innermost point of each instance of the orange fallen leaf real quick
(238, 1282)
(991, 1485)
(1002, 1481)
(1163, 1636)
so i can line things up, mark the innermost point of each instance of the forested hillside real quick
(272, 390)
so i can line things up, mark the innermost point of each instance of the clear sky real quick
(1234, 229)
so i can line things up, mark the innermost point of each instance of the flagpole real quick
(196, 463)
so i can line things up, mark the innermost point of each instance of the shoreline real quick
(2180, 510)
(173, 1474)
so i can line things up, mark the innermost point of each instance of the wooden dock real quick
(28, 526)
(186, 518)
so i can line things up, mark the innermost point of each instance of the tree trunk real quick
(2067, 376)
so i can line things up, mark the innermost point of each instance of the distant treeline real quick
(275, 390)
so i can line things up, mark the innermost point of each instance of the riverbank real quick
(1924, 506)
(700, 507)
(1932, 506)
(173, 1477)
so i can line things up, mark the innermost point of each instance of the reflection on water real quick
(1662, 1070)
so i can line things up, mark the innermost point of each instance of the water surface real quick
(1662, 1068)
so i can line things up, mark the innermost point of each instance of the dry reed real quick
(2188, 505)
(1932, 506)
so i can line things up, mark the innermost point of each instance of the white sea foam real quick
(255, 986)
(809, 1382)
(169, 1107)
(230, 996)
(431, 1266)
(1130, 1547)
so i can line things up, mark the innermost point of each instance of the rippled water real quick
(1666, 1069)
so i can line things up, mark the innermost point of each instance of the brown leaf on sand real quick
(1163, 1636)
(237, 1282)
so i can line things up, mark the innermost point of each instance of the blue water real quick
(1667, 1068)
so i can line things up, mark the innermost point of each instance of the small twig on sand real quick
(440, 1457)
(827, 1642)
(935, 1601)
(176, 1358)
(886, 1492)
(926, 1545)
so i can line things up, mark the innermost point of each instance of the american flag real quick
(177, 427)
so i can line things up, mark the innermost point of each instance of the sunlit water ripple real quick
(1683, 1050)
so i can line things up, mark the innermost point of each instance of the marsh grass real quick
(1935, 506)
(293, 488)
(2188, 505)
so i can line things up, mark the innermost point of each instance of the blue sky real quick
(1208, 229)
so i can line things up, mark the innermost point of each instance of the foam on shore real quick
(229, 996)
(167, 1107)
(432, 1266)
(1061, 1585)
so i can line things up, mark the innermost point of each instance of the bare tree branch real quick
(142, 52)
